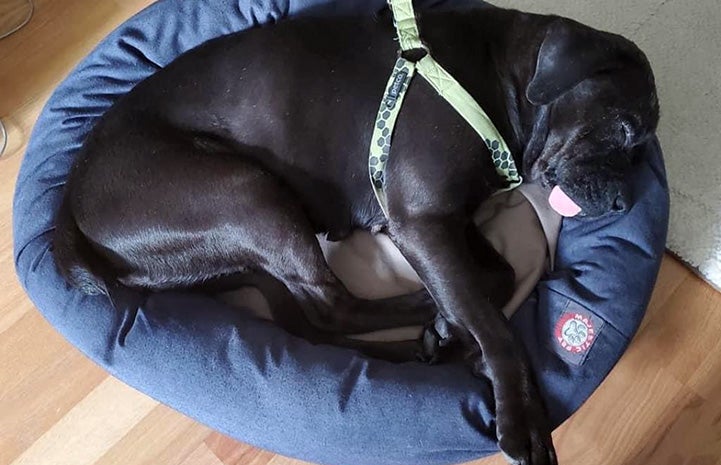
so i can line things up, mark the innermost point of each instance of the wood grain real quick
(660, 405)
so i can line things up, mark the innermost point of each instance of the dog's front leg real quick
(438, 248)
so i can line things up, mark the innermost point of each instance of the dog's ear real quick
(570, 53)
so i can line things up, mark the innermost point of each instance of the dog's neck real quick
(507, 63)
(529, 124)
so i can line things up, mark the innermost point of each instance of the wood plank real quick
(91, 427)
(202, 456)
(35, 396)
(232, 452)
(174, 438)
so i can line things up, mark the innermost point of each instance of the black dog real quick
(230, 160)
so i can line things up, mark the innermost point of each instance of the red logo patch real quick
(575, 332)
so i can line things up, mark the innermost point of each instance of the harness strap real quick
(447, 87)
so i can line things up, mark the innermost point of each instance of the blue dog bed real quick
(251, 380)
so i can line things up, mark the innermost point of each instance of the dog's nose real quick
(620, 204)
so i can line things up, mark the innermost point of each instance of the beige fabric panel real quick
(518, 223)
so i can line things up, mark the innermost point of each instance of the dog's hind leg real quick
(301, 267)
(165, 212)
(284, 311)
(250, 221)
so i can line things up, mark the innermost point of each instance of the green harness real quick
(446, 86)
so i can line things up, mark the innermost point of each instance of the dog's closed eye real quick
(627, 134)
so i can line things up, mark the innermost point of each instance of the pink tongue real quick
(562, 203)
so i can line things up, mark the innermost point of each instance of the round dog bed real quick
(251, 380)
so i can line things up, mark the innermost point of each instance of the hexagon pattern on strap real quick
(447, 87)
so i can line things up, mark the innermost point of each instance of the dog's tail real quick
(75, 256)
(81, 265)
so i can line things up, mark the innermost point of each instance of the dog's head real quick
(600, 104)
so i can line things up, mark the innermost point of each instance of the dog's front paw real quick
(524, 435)
(522, 428)
(529, 445)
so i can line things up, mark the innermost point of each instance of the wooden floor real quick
(661, 405)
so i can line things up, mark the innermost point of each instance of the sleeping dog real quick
(226, 163)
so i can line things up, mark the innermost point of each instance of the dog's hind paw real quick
(437, 336)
